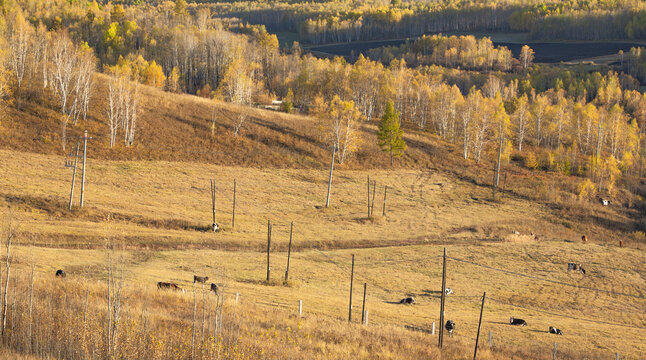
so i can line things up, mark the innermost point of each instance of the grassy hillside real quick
(155, 214)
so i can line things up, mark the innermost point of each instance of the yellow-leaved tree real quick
(343, 127)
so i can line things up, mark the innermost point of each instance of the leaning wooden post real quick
(233, 216)
(351, 280)
(384, 209)
(289, 250)
(213, 203)
(329, 183)
(372, 206)
(369, 197)
(554, 352)
(363, 308)
(268, 245)
(442, 299)
(475, 351)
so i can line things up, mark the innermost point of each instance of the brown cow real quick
(200, 279)
(168, 285)
(584, 238)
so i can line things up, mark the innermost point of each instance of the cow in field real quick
(575, 267)
(450, 326)
(407, 300)
(554, 330)
(604, 202)
(448, 291)
(167, 285)
(584, 238)
(520, 322)
(200, 279)
(60, 273)
(214, 288)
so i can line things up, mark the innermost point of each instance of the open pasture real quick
(160, 213)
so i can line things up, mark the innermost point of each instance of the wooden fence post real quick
(372, 205)
(289, 251)
(475, 352)
(268, 245)
(384, 209)
(237, 295)
(233, 216)
(76, 157)
(443, 295)
(490, 339)
(329, 184)
(363, 307)
(300, 307)
(351, 280)
(554, 352)
(213, 203)
(368, 196)
(433, 328)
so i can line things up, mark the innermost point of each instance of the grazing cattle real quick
(200, 279)
(448, 291)
(214, 288)
(215, 227)
(60, 273)
(407, 300)
(450, 326)
(520, 322)
(554, 330)
(168, 285)
(604, 202)
(584, 238)
(575, 267)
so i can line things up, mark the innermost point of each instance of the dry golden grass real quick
(159, 213)
(161, 207)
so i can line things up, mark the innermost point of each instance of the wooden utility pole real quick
(289, 250)
(85, 139)
(441, 337)
(268, 245)
(351, 280)
(76, 157)
(475, 351)
(329, 183)
(213, 204)
(383, 213)
(368, 196)
(363, 308)
(233, 217)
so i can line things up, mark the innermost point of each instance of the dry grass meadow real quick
(160, 212)
(148, 207)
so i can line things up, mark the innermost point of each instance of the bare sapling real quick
(238, 124)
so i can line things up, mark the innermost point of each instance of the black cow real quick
(575, 267)
(450, 326)
(407, 300)
(520, 322)
(200, 279)
(214, 288)
(60, 273)
(554, 330)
